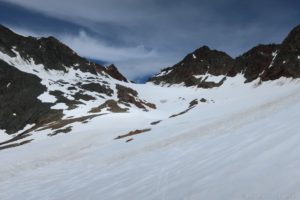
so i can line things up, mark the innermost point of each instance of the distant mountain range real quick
(264, 62)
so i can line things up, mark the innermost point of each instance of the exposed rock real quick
(210, 84)
(96, 87)
(181, 113)
(287, 61)
(111, 105)
(64, 122)
(127, 95)
(200, 62)
(15, 144)
(14, 139)
(19, 104)
(81, 96)
(47, 51)
(156, 122)
(114, 72)
(129, 140)
(254, 62)
(133, 133)
(59, 95)
(193, 103)
(202, 100)
(65, 130)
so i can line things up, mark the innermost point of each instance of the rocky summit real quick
(207, 68)
(192, 70)
(113, 71)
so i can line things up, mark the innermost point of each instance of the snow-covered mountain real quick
(233, 133)
(46, 85)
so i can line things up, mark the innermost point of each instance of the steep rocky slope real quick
(287, 61)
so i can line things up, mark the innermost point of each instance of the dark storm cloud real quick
(144, 36)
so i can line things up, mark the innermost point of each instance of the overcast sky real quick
(143, 36)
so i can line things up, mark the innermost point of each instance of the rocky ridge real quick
(207, 68)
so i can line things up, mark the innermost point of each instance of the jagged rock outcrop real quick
(114, 72)
(129, 96)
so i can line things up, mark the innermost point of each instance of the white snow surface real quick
(210, 78)
(243, 143)
(4, 136)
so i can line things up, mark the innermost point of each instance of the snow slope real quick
(242, 143)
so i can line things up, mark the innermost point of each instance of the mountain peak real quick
(194, 66)
(4, 29)
(114, 72)
(203, 48)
